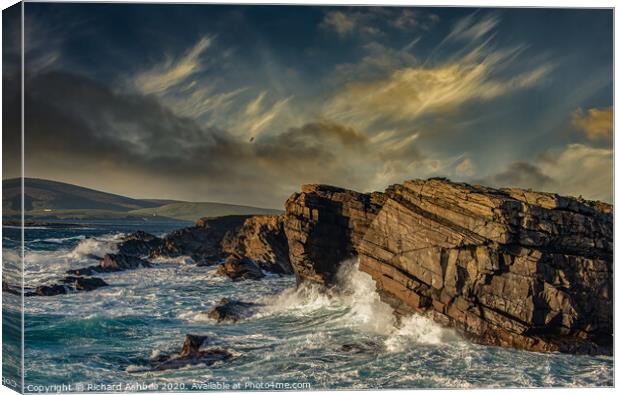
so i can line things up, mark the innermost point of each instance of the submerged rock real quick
(67, 285)
(240, 268)
(192, 353)
(362, 347)
(507, 267)
(112, 263)
(11, 289)
(232, 310)
(50, 290)
(118, 262)
(89, 284)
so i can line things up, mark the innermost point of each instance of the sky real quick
(244, 104)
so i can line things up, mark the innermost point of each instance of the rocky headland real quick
(503, 267)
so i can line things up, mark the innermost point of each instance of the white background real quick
(479, 3)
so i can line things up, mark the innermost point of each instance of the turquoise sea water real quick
(103, 340)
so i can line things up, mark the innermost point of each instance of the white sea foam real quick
(180, 260)
(59, 240)
(356, 295)
(95, 246)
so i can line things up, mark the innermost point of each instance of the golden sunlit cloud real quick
(465, 168)
(596, 123)
(410, 92)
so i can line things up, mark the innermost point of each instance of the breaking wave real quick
(355, 302)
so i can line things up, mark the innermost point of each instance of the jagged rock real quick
(192, 344)
(240, 268)
(112, 263)
(507, 267)
(85, 271)
(203, 242)
(68, 284)
(191, 354)
(262, 239)
(50, 290)
(231, 310)
(118, 262)
(139, 244)
(89, 284)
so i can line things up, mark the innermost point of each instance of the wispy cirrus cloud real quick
(472, 27)
(410, 92)
(172, 72)
(257, 116)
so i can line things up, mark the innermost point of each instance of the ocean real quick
(299, 338)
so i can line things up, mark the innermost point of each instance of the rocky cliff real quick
(262, 239)
(505, 267)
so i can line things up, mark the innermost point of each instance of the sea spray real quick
(355, 295)
(95, 247)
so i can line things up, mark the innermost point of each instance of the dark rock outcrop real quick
(139, 244)
(11, 289)
(118, 262)
(49, 290)
(112, 263)
(249, 245)
(323, 225)
(240, 268)
(506, 267)
(192, 353)
(88, 284)
(67, 285)
(203, 242)
(232, 310)
(262, 239)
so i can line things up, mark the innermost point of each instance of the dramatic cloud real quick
(574, 170)
(596, 123)
(409, 93)
(256, 119)
(376, 21)
(80, 127)
(521, 174)
(339, 22)
(579, 169)
(410, 19)
(173, 71)
(360, 97)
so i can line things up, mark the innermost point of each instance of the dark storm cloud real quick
(523, 174)
(75, 124)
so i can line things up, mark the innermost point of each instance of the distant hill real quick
(53, 199)
(193, 211)
(45, 194)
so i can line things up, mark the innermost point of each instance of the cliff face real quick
(505, 267)
(261, 239)
(323, 225)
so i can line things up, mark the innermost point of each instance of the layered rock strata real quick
(508, 267)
